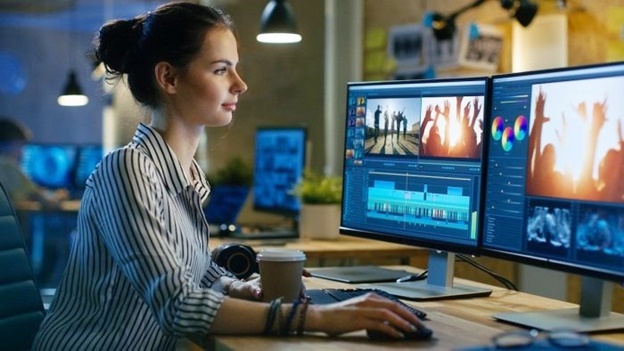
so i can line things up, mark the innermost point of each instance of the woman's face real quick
(207, 92)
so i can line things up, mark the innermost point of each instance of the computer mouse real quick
(422, 333)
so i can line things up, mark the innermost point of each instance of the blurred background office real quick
(44, 45)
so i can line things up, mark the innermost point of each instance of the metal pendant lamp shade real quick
(278, 24)
(522, 10)
(72, 94)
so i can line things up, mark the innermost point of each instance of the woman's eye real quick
(220, 71)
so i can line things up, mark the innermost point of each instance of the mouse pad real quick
(358, 274)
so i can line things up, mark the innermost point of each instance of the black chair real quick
(21, 306)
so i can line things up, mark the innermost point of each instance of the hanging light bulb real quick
(72, 94)
(277, 24)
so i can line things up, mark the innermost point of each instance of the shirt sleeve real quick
(134, 230)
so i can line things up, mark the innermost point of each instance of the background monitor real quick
(224, 205)
(50, 165)
(555, 189)
(88, 158)
(412, 173)
(280, 154)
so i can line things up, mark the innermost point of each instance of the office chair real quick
(21, 306)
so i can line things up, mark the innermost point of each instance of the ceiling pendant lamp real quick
(72, 93)
(277, 24)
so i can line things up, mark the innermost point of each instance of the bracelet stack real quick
(302, 315)
(285, 330)
(274, 308)
(284, 326)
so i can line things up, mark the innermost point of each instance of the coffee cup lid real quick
(280, 255)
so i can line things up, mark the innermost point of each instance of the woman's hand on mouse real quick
(370, 311)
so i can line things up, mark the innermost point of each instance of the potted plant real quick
(321, 198)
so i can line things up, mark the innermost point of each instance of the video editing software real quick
(413, 160)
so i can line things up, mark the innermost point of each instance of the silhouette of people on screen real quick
(549, 175)
(376, 122)
(398, 117)
(393, 124)
(386, 118)
(452, 133)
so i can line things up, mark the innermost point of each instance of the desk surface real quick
(456, 323)
(35, 206)
(344, 247)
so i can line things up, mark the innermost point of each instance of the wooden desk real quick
(348, 250)
(456, 323)
(35, 206)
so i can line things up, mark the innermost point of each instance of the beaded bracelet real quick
(227, 286)
(291, 316)
(280, 321)
(275, 306)
(302, 315)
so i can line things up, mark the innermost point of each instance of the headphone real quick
(237, 258)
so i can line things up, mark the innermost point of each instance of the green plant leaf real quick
(314, 188)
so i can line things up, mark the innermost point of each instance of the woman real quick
(140, 275)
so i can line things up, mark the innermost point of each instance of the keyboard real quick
(327, 296)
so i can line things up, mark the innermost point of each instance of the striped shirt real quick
(139, 273)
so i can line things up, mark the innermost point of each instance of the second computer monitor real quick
(412, 172)
(280, 156)
(555, 184)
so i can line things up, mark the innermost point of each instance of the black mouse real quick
(422, 333)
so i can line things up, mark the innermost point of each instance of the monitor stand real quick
(439, 284)
(593, 314)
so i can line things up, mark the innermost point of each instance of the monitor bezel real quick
(275, 210)
(533, 260)
(414, 241)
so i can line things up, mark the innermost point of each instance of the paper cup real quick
(280, 273)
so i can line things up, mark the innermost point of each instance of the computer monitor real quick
(412, 173)
(555, 191)
(280, 156)
(50, 165)
(88, 158)
(224, 205)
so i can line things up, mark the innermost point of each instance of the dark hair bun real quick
(117, 42)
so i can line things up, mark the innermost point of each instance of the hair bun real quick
(118, 40)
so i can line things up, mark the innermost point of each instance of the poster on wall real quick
(481, 47)
(416, 52)
(405, 45)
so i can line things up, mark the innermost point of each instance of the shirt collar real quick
(171, 170)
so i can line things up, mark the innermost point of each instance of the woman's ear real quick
(166, 77)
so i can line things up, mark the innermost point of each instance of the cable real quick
(506, 282)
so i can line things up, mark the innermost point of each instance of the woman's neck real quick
(182, 138)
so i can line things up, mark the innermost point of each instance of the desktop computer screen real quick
(280, 154)
(88, 158)
(412, 172)
(50, 165)
(555, 183)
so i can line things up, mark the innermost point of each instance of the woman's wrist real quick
(312, 317)
(227, 287)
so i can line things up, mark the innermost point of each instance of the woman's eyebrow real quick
(227, 62)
